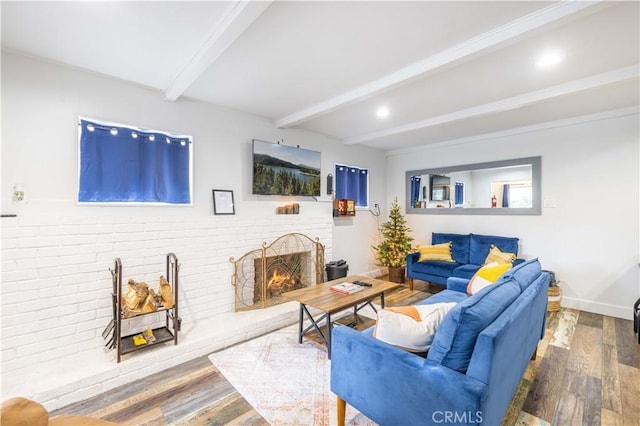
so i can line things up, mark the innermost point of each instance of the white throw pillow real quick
(410, 327)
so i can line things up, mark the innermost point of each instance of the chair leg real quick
(342, 408)
(410, 281)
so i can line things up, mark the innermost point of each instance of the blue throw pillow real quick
(459, 245)
(456, 338)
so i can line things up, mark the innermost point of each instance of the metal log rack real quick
(113, 332)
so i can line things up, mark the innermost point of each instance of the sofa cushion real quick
(479, 246)
(499, 256)
(441, 252)
(456, 337)
(445, 296)
(466, 271)
(435, 267)
(410, 327)
(486, 276)
(459, 245)
(525, 273)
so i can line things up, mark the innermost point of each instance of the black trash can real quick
(337, 269)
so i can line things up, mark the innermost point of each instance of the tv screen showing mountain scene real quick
(285, 170)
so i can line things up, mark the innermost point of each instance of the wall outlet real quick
(19, 194)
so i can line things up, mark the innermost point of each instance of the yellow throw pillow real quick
(410, 327)
(441, 252)
(487, 275)
(496, 255)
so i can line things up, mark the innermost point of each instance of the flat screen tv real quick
(285, 170)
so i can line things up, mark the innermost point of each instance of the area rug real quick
(286, 382)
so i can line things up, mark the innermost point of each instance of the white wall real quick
(590, 240)
(56, 254)
(41, 102)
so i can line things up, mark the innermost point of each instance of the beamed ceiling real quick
(444, 71)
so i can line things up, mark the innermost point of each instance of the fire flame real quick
(279, 283)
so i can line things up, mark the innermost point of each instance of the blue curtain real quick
(120, 164)
(459, 193)
(363, 184)
(415, 190)
(505, 195)
(342, 181)
(352, 183)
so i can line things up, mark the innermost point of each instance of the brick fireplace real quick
(291, 262)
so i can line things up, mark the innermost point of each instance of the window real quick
(124, 164)
(459, 194)
(516, 195)
(353, 182)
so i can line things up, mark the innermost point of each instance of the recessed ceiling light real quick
(382, 112)
(549, 59)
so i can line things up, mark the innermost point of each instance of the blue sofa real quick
(469, 252)
(478, 356)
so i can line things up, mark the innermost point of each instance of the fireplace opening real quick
(284, 273)
(278, 283)
(291, 262)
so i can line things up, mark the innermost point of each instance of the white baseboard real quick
(373, 273)
(624, 312)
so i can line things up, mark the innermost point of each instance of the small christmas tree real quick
(396, 244)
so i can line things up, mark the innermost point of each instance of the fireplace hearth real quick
(291, 262)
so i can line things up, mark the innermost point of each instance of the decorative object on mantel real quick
(288, 209)
(140, 300)
(396, 244)
(344, 207)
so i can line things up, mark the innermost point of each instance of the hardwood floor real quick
(587, 372)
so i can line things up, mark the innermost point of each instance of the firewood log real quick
(149, 305)
(166, 293)
(135, 298)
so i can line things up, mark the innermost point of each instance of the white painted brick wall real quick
(56, 292)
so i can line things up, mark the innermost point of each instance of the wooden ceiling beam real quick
(236, 19)
(488, 40)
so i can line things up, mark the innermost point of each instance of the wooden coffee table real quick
(330, 302)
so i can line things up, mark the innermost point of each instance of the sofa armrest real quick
(457, 284)
(413, 257)
(392, 386)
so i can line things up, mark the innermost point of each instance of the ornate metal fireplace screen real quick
(291, 262)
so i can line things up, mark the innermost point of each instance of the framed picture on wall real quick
(223, 202)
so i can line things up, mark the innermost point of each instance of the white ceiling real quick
(445, 70)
